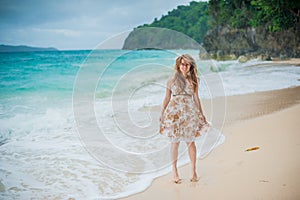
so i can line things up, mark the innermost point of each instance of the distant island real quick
(23, 48)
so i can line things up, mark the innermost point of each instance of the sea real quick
(84, 124)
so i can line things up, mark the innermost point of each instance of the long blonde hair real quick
(192, 76)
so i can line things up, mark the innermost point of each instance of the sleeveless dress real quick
(182, 120)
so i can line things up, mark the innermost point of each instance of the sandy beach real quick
(268, 120)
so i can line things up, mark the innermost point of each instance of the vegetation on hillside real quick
(192, 20)
(195, 19)
(275, 15)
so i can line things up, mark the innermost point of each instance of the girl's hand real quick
(202, 117)
(161, 118)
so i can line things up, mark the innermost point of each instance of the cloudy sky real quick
(76, 24)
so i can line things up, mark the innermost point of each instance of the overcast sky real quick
(75, 24)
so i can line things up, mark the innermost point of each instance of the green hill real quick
(266, 28)
(191, 20)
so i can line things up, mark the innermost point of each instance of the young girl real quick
(182, 117)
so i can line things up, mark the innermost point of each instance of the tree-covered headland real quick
(230, 28)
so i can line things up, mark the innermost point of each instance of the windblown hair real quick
(192, 76)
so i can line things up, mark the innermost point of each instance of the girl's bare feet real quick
(177, 180)
(194, 178)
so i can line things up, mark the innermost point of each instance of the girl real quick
(182, 117)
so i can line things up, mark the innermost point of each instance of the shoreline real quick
(262, 123)
(291, 61)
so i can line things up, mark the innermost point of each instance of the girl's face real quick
(184, 66)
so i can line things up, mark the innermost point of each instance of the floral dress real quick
(182, 120)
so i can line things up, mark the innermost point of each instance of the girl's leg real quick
(174, 157)
(193, 157)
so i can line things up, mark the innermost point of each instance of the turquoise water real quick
(37, 79)
(42, 151)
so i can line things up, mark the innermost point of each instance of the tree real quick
(192, 20)
(276, 14)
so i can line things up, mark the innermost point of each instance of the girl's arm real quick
(198, 103)
(166, 100)
(197, 100)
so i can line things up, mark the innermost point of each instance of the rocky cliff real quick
(229, 43)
